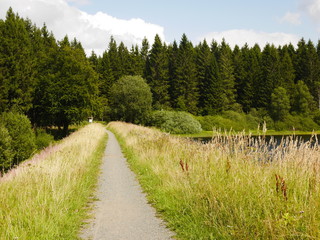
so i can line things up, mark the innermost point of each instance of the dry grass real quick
(45, 197)
(234, 187)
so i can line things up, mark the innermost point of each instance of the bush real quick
(229, 120)
(130, 99)
(43, 139)
(20, 131)
(175, 122)
(6, 155)
(297, 122)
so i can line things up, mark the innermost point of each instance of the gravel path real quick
(122, 211)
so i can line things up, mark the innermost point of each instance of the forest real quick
(55, 83)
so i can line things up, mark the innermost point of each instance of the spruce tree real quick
(226, 70)
(172, 56)
(270, 76)
(17, 66)
(186, 84)
(158, 78)
(210, 86)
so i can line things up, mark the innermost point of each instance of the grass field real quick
(225, 189)
(47, 196)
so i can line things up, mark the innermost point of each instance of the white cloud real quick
(79, 2)
(312, 9)
(93, 31)
(292, 18)
(241, 36)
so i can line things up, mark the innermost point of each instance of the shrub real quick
(43, 139)
(23, 138)
(229, 120)
(175, 122)
(296, 122)
(6, 155)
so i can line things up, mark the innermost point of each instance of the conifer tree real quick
(270, 76)
(158, 74)
(16, 66)
(226, 70)
(210, 86)
(106, 78)
(186, 84)
(172, 56)
(114, 58)
(287, 73)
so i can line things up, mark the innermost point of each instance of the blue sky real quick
(238, 21)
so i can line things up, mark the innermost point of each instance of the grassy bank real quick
(225, 190)
(46, 197)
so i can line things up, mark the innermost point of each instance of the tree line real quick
(54, 82)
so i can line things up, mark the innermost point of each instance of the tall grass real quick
(46, 197)
(234, 187)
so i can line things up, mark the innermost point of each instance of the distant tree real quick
(94, 60)
(144, 55)
(227, 76)
(270, 76)
(130, 99)
(158, 77)
(210, 85)
(106, 78)
(302, 99)
(172, 56)
(74, 90)
(186, 84)
(287, 73)
(16, 65)
(280, 104)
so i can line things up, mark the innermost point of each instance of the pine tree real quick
(287, 73)
(17, 66)
(210, 86)
(186, 84)
(302, 99)
(114, 58)
(172, 56)
(280, 104)
(106, 78)
(158, 75)
(270, 76)
(226, 70)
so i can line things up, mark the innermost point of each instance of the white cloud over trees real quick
(93, 31)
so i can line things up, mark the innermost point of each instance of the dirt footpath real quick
(122, 211)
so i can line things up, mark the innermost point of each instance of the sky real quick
(93, 22)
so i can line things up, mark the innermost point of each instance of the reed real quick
(227, 189)
(46, 197)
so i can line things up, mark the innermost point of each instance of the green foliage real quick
(175, 122)
(6, 154)
(185, 84)
(157, 74)
(302, 99)
(280, 104)
(43, 139)
(229, 120)
(296, 122)
(23, 138)
(130, 99)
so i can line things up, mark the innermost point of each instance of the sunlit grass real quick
(46, 197)
(230, 188)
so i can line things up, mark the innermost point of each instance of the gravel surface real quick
(122, 211)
